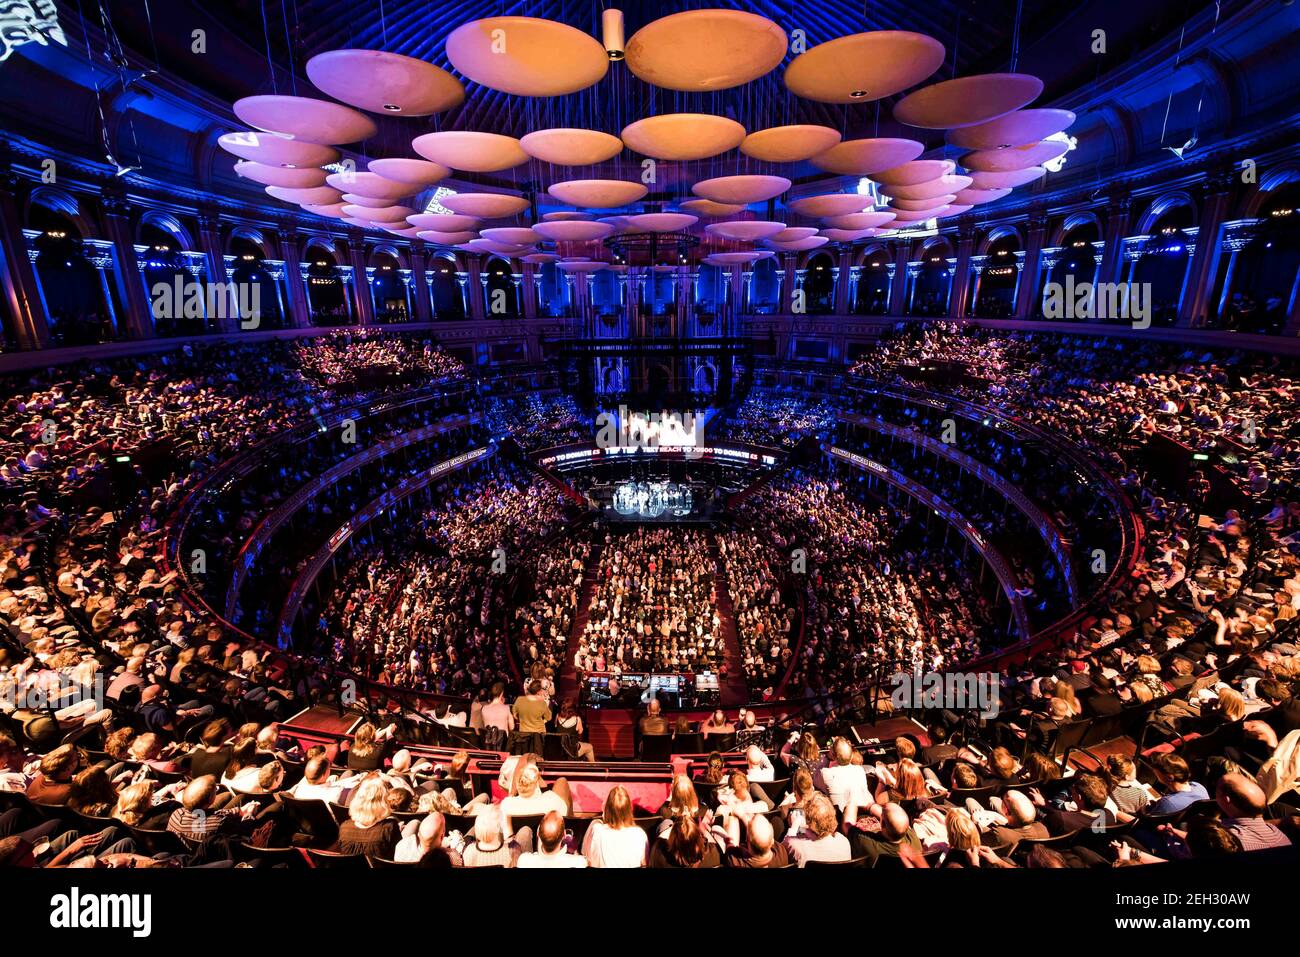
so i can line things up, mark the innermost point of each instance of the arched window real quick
(326, 294)
(606, 297)
(73, 291)
(250, 273)
(933, 283)
(663, 292)
(1261, 285)
(448, 301)
(163, 265)
(873, 285)
(995, 289)
(764, 287)
(1164, 264)
(710, 291)
(388, 289)
(500, 289)
(819, 284)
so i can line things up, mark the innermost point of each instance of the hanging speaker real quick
(611, 22)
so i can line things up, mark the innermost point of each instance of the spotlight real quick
(858, 94)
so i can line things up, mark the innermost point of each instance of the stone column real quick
(914, 267)
(528, 292)
(99, 253)
(1237, 235)
(130, 287)
(351, 297)
(960, 281)
(1183, 297)
(788, 262)
(462, 282)
(1292, 326)
(422, 292)
(214, 261)
(898, 280)
(361, 297)
(1203, 265)
(304, 271)
(476, 283)
(408, 282)
(1119, 217)
(234, 320)
(842, 282)
(276, 269)
(196, 264)
(295, 279)
(18, 275)
(1027, 290)
(977, 264)
(33, 257)
(371, 274)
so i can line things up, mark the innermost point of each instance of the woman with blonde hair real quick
(531, 798)
(369, 829)
(134, 803)
(368, 750)
(1064, 691)
(682, 799)
(614, 839)
(1231, 705)
(964, 846)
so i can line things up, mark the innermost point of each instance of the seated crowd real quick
(653, 607)
(183, 759)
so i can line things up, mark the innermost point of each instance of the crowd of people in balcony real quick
(431, 612)
(780, 417)
(1197, 645)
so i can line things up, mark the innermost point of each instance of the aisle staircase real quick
(568, 683)
(734, 691)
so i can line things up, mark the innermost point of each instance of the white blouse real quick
(606, 846)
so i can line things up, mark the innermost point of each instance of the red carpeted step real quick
(734, 690)
(568, 683)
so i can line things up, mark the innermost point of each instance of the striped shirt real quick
(197, 825)
(1255, 833)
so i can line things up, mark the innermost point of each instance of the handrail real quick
(1131, 526)
(1002, 569)
(402, 490)
(1050, 532)
(244, 463)
(277, 517)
